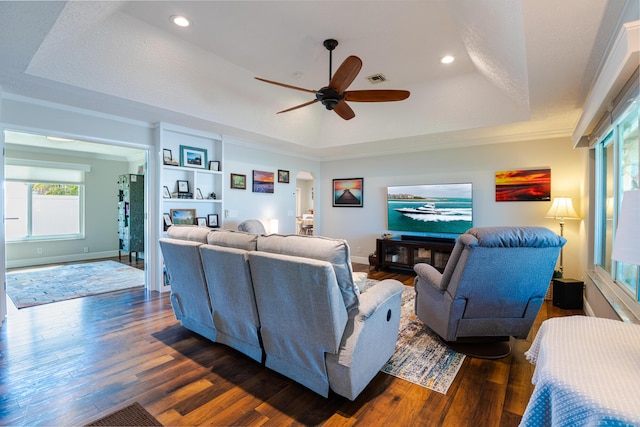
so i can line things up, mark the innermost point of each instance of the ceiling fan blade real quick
(285, 85)
(376, 95)
(344, 111)
(298, 106)
(345, 74)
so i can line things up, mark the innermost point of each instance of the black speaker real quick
(567, 293)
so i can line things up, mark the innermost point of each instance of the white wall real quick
(244, 204)
(361, 226)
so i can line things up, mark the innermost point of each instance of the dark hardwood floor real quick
(71, 362)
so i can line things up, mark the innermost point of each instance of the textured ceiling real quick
(522, 71)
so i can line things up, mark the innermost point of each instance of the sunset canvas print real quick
(523, 185)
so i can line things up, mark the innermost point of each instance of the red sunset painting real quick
(523, 185)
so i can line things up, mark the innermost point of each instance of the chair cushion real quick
(189, 232)
(233, 239)
(334, 251)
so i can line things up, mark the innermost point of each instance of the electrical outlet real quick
(86, 249)
(358, 249)
(39, 251)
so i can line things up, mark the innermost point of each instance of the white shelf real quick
(174, 200)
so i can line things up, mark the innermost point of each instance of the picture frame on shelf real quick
(201, 221)
(167, 221)
(238, 181)
(167, 156)
(166, 194)
(214, 165)
(348, 192)
(193, 157)
(183, 216)
(183, 186)
(283, 176)
(212, 221)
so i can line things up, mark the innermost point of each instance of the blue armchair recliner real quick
(492, 287)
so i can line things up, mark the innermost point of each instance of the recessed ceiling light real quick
(447, 59)
(181, 21)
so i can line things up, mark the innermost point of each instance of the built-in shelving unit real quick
(191, 153)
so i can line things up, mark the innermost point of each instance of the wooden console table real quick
(405, 253)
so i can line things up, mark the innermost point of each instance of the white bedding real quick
(587, 373)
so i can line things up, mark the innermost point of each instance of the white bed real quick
(587, 373)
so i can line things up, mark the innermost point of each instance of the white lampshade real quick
(562, 208)
(626, 246)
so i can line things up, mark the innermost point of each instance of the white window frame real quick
(81, 215)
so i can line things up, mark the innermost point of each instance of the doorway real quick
(305, 203)
(61, 207)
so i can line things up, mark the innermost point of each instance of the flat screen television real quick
(438, 210)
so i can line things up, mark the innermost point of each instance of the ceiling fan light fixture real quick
(180, 20)
(447, 59)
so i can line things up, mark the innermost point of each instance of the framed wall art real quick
(283, 176)
(214, 165)
(348, 192)
(238, 181)
(193, 157)
(523, 185)
(262, 182)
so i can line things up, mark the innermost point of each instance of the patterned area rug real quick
(420, 357)
(44, 285)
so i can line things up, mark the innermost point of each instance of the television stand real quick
(407, 251)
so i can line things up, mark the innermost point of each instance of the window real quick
(44, 200)
(43, 210)
(617, 161)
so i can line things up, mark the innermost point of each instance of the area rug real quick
(420, 357)
(44, 285)
(132, 415)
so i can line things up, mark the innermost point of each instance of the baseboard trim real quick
(62, 258)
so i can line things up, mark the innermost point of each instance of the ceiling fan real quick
(334, 95)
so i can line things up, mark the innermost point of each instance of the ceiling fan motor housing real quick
(329, 97)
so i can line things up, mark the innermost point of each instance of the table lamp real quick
(562, 208)
(626, 246)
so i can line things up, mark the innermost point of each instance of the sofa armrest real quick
(428, 274)
(369, 339)
(372, 320)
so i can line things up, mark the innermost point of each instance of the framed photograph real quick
(347, 192)
(183, 216)
(193, 157)
(167, 221)
(238, 181)
(199, 194)
(183, 186)
(523, 185)
(214, 165)
(167, 157)
(166, 193)
(283, 176)
(262, 182)
(212, 220)
(201, 221)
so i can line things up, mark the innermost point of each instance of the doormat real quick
(44, 285)
(132, 415)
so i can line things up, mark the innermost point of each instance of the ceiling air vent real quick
(377, 78)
